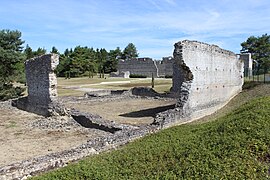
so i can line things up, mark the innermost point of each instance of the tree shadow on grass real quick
(151, 112)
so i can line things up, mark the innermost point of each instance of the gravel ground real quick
(25, 135)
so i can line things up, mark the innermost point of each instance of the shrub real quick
(8, 91)
(137, 76)
(168, 76)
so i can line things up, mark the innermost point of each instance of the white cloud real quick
(153, 25)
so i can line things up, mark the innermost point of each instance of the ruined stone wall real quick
(205, 78)
(41, 84)
(142, 66)
(146, 66)
(248, 63)
(165, 67)
(41, 79)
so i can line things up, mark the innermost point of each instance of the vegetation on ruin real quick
(234, 146)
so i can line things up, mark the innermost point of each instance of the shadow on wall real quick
(151, 112)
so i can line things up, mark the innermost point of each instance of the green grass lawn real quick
(86, 80)
(161, 85)
(234, 146)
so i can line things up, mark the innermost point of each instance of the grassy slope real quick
(235, 146)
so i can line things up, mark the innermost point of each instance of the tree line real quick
(259, 47)
(80, 61)
(85, 61)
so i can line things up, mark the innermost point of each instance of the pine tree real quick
(130, 51)
(259, 47)
(28, 52)
(54, 50)
(10, 57)
(39, 52)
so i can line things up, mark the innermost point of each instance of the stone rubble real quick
(200, 90)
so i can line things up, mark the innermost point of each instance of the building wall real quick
(42, 86)
(248, 63)
(41, 79)
(165, 67)
(205, 78)
(146, 66)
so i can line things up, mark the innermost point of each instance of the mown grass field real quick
(234, 146)
(161, 85)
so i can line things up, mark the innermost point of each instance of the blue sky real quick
(152, 25)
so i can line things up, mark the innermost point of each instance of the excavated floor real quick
(132, 111)
(25, 135)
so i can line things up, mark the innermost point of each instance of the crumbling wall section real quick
(147, 66)
(41, 79)
(141, 66)
(205, 78)
(248, 64)
(42, 86)
(165, 67)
